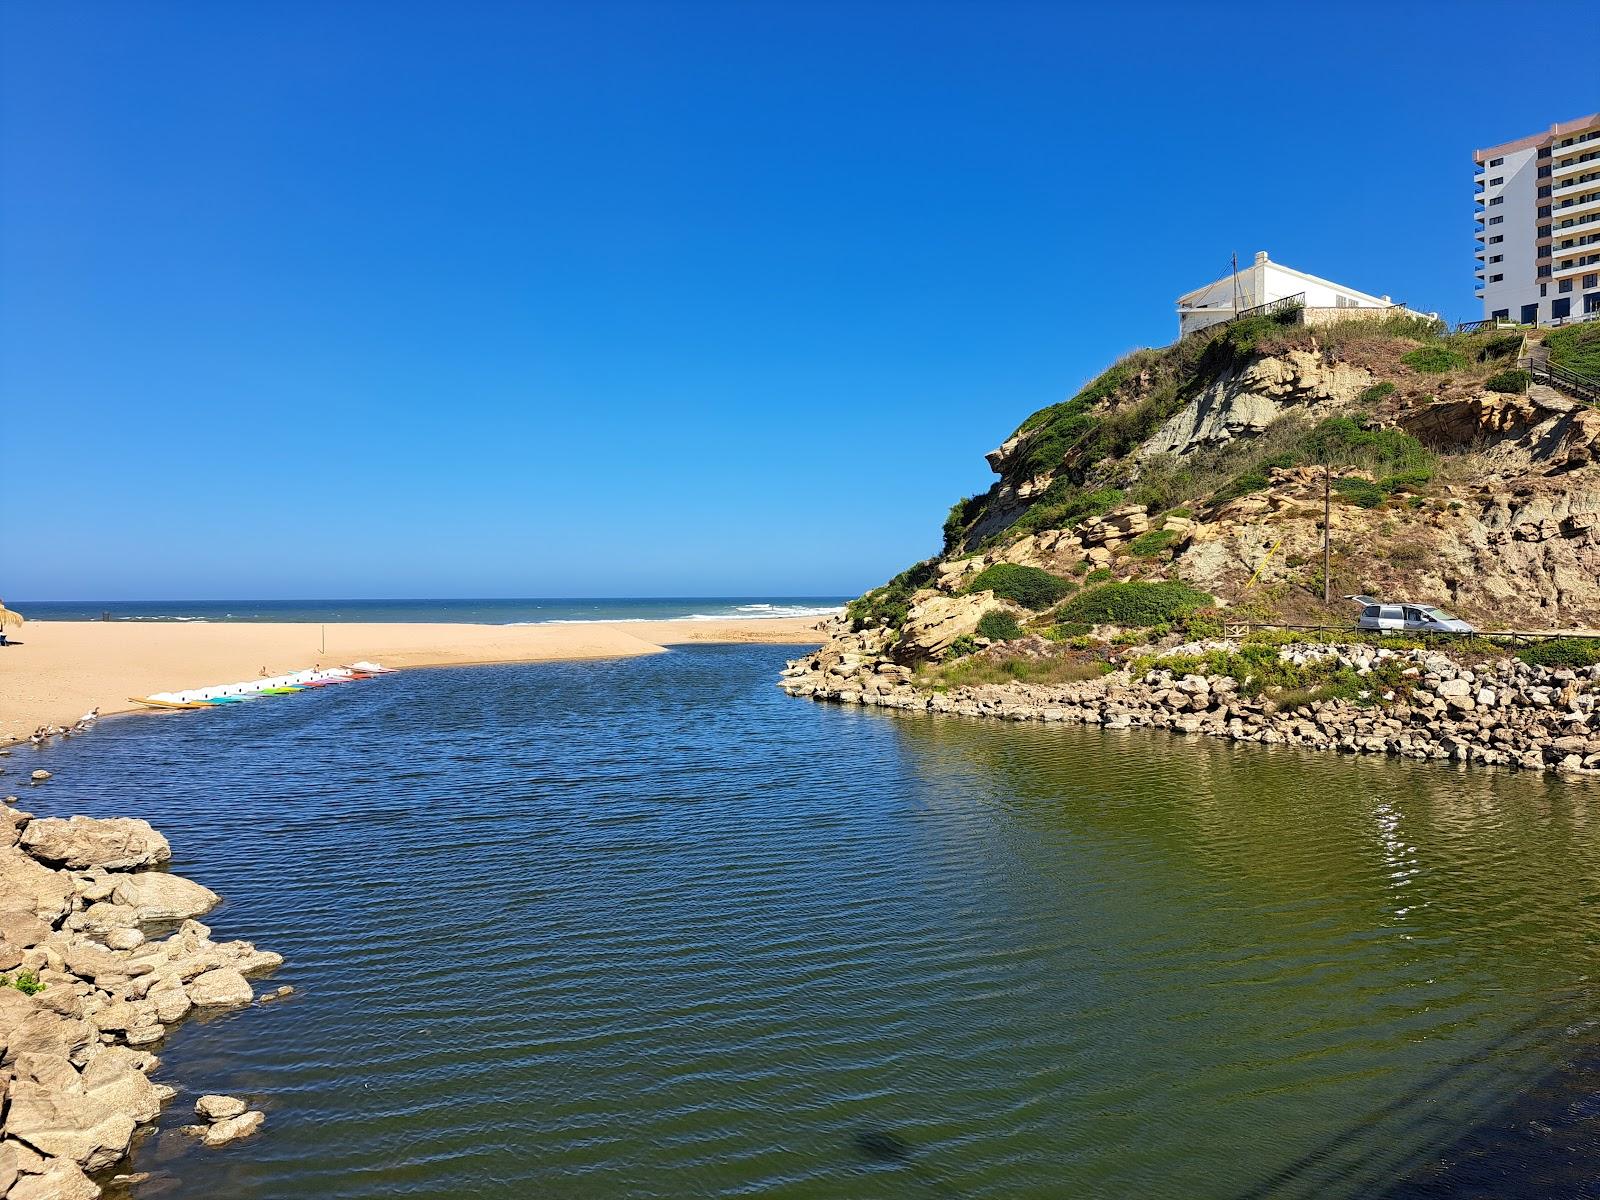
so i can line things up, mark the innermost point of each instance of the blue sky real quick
(389, 299)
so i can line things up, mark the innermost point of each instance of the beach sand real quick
(62, 669)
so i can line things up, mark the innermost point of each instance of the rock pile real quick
(1506, 713)
(226, 1120)
(83, 991)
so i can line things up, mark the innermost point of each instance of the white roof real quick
(1338, 287)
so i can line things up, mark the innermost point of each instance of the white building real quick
(1263, 282)
(1538, 233)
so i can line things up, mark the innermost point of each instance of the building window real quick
(1497, 179)
(1544, 289)
(1501, 314)
(1560, 308)
(1499, 237)
(1495, 162)
(1544, 192)
(1494, 258)
(1498, 200)
(1564, 286)
(1544, 172)
(1495, 220)
(1590, 281)
(1591, 302)
(1544, 231)
(1544, 271)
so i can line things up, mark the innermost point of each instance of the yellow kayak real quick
(168, 703)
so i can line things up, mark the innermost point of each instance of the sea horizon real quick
(451, 610)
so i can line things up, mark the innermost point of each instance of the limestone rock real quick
(52, 1112)
(936, 621)
(115, 843)
(159, 896)
(28, 887)
(60, 1180)
(40, 775)
(219, 1108)
(234, 1128)
(220, 988)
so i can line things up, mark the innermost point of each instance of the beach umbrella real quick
(7, 617)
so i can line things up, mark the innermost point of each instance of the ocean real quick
(487, 612)
(651, 928)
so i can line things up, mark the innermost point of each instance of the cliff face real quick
(1452, 482)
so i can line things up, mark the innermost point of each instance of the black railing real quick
(1273, 307)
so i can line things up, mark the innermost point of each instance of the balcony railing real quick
(1273, 307)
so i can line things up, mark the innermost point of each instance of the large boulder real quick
(935, 622)
(221, 988)
(161, 897)
(77, 843)
(12, 821)
(28, 1027)
(53, 1112)
(60, 1180)
(28, 887)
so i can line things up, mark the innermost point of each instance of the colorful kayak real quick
(169, 703)
(280, 691)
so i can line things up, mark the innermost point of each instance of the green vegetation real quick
(972, 672)
(1363, 493)
(1576, 348)
(1098, 575)
(889, 604)
(1259, 671)
(999, 626)
(27, 982)
(1406, 481)
(1375, 393)
(1513, 381)
(1135, 603)
(955, 525)
(1434, 360)
(1494, 346)
(1562, 652)
(1345, 442)
(1030, 587)
(1153, 543)
(1064, 504)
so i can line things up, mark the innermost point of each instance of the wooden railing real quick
(1585, 387)
(1236, 629)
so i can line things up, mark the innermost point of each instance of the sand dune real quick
(63, 669)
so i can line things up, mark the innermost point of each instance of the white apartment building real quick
(1538, 234)
(1263, 282)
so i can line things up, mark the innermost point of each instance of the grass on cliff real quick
(889, 604)
(1134, 604)
(1562, 652)
(1576, 348)
(1031, 587)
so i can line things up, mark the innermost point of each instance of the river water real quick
(651, 928)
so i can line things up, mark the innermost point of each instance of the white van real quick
(1377, 617)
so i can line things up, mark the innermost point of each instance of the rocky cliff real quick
(1452, 481)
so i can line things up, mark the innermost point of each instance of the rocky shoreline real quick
(1422, 704)
(100, 955)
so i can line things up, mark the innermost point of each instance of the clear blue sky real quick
(398, 299)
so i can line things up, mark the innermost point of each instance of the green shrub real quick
(960, 648)
(1406, 481)
(1066, 631)
(27, 982)
(1152, 543)
(1514, 381)
(1098, 575)
(1080, 567)
(1375, 393)
(1344, 442)
(1499, 345)
(1202, 623)
(999, 626)
(1064, 504)
(1179, 512)
(889, 604)
(1254, 479)
(955, 525)
(1576, 348)
(1031, 587)
(1135, 603)
(1433, 360)
(1562, 652)
(1361, 492)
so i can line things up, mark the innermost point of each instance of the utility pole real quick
(1327, 507)
(1235, 283)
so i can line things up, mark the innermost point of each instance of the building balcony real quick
(1574, 225)
(1576, 208)
(1580, 183)
(1578, 268)
(1575, 166)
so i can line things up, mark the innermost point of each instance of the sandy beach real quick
(62, 669)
